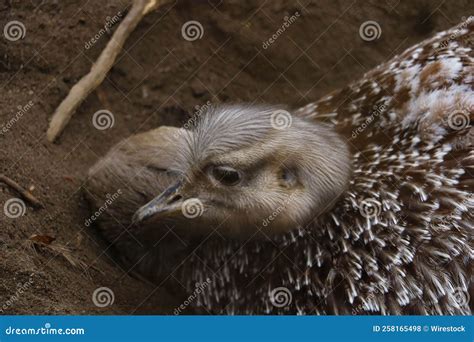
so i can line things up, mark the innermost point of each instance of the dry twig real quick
(23, 192)
(101, 67)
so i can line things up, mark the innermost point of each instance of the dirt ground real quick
(158, 79)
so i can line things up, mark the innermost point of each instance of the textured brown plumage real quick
(399, 240)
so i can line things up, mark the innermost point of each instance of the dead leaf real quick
(42, 239)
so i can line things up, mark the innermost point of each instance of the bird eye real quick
(288, 177)
(226, 175)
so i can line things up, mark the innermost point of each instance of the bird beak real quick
(168, 203)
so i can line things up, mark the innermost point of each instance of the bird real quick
(358, 203)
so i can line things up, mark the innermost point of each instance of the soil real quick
(159, 79)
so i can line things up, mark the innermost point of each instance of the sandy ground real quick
(158, 80)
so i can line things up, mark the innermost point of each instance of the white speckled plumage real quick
(413, 165)
(416, 255)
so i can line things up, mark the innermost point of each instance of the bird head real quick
(252, 169)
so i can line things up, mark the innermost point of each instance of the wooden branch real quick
(99, 70)
(23, 192)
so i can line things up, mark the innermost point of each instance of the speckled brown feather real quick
(415, 255)
(398, 241)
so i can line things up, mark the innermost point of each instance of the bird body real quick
(362, 204)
